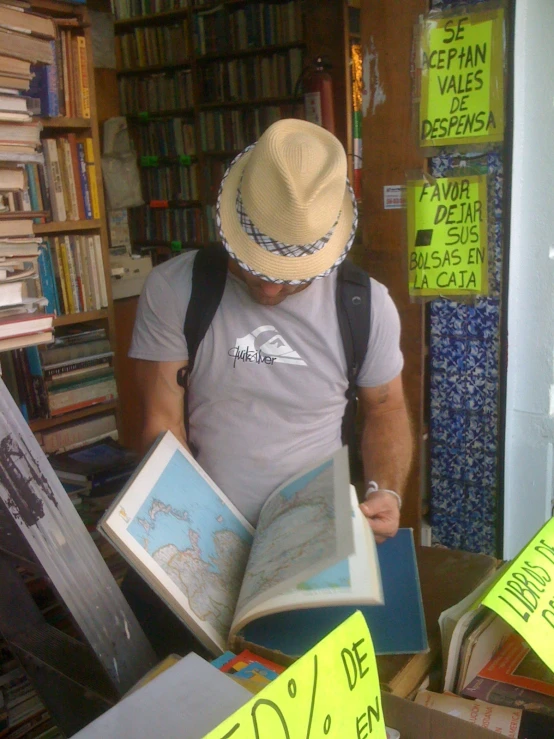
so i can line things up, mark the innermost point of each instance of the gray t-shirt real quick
(267, 391)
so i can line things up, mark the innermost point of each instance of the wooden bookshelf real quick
(40, 424)
(54, 227)
(66, 123)
(56, 127)
(288, 44)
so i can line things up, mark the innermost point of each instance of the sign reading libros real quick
(524, 595)
(447, 236)
(462, 79)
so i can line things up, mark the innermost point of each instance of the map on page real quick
(196, 540)
(302, 514)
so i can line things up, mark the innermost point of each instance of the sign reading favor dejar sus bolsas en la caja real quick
(447, 236)
(461, 60)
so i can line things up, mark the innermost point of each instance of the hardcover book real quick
(312, 546)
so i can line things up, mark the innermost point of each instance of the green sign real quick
(462, 79)
(524, 595)
(447, 236)
(332, 691)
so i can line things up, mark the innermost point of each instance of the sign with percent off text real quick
(332, 691)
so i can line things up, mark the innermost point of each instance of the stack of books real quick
(22, 713)
(75, 371)
(63, 87)
(100, 469)
(26, 39)
(23, 320)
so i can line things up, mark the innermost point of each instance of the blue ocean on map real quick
(180, 503)
(300, 482)
(337, 576)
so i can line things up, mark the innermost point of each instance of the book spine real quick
(60, 275)
(76, 171)
(101, 272)
(53, 100)
(75, 246)
(82, 397)
(37, 381)
(84, 181)
(69, 179)
(83, 75)
(85, 273)
(60, 372)
(54, 179)
(75, 77)
(32, 187)
(66, 436)
(47, 278)
(56, 295)
(68, 293)
(94, 275)
(92, 180)
(72, 272)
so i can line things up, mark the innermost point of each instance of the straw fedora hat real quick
(285, 209)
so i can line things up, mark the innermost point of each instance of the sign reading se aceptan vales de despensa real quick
(462, 79)
(447, 236)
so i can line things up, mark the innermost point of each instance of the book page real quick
(186, 539)
(305, 527)
(355, 580)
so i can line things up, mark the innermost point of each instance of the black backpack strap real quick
(209, 274)
(354, 316)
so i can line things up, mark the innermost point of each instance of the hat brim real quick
(275, 266)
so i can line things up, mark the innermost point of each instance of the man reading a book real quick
(266, 395)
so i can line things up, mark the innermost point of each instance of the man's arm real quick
(387, 447)
(162, 400)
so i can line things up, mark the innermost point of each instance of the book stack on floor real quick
(491, 677)
(74, 372)
(93, 475)
(22, 713)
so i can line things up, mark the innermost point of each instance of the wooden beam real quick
(389, 151)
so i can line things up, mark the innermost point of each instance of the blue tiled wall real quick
(464, 390)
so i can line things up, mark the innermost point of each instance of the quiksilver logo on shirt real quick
(264, 345)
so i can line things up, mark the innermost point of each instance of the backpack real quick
(353, 302)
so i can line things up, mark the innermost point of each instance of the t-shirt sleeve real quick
(384, 360)
(158, 333)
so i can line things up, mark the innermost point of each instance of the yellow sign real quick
(462, 79)
(447, 236)
(524, 595)
(332, 691)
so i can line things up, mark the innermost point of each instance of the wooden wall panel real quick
(389, 151)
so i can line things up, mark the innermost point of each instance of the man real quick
(267, 390)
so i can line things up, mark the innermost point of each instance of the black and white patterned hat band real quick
(276, 247)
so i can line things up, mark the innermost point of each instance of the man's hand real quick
(383, 514)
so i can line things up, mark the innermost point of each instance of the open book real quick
(312, 545)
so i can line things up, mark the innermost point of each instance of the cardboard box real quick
(417, 722)
(128, 274)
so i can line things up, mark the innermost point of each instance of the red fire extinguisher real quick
(318, 94)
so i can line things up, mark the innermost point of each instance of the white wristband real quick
(372, 487)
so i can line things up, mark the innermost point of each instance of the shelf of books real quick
(56, 314)
(198, 83)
